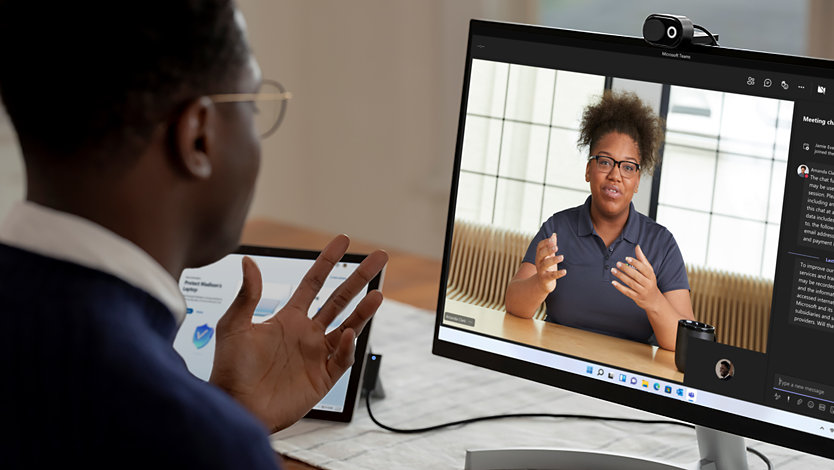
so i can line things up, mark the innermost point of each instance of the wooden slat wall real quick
(737, 305)
(482, 262)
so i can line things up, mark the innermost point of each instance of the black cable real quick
(538, 415)
(701, 28)
(516, 415)
(761, 456)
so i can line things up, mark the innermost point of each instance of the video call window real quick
(722, 174)
(743, 140)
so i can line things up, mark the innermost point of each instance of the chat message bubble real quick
(816, 225)
(813, 295)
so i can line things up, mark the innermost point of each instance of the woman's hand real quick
(533, 282)
(662, 309)
(638, 281)
(547, 264)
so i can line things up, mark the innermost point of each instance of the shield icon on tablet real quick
(202, 335)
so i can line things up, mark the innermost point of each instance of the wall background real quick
(368, 142)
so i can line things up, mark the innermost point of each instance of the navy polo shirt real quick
(585, 298)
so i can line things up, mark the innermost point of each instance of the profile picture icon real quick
(724, 369)
(803, 171)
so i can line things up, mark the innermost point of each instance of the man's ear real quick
(193, 137)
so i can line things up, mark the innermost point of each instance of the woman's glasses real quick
(606, 164)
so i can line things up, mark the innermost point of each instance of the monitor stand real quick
(719, 451)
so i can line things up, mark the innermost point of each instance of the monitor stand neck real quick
(719, 451)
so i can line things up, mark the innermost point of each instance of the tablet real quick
(209, 291)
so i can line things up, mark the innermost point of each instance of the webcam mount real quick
(676, 32)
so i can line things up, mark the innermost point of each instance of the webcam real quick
(675, 31)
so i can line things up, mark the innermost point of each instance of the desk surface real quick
(414, 280)
(424, 390)
(409, 278)
(595, 347)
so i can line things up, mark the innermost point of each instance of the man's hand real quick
(281, 368)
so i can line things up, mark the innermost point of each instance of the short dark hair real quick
(91, 80)
(624, 112)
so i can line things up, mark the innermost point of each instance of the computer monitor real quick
(743, 193)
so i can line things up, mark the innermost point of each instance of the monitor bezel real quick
(693, 413)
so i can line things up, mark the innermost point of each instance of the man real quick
(136, 171)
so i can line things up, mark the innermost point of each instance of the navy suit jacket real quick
(90, 376)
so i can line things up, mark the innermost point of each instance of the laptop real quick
(209, 290)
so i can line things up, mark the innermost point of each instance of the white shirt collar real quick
(67, 237)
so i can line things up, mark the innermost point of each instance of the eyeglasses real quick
(270, 105)
(606, 164)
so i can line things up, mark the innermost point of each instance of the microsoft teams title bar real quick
(683, 68)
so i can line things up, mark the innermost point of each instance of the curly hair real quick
(624, 112)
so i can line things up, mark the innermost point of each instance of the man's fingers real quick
(315, 277)
(358, 319)
(239, 314)
(353, 285)
(342, 358)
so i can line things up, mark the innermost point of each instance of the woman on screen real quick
(603, 266)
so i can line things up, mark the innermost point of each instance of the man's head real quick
(91, 80)
(724, 368)
(104, 92)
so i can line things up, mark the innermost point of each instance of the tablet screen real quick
(210, 290)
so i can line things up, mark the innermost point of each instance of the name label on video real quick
(455, 318)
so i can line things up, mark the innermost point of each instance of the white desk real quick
(423, 390)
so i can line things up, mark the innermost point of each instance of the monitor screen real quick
(572, 254)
